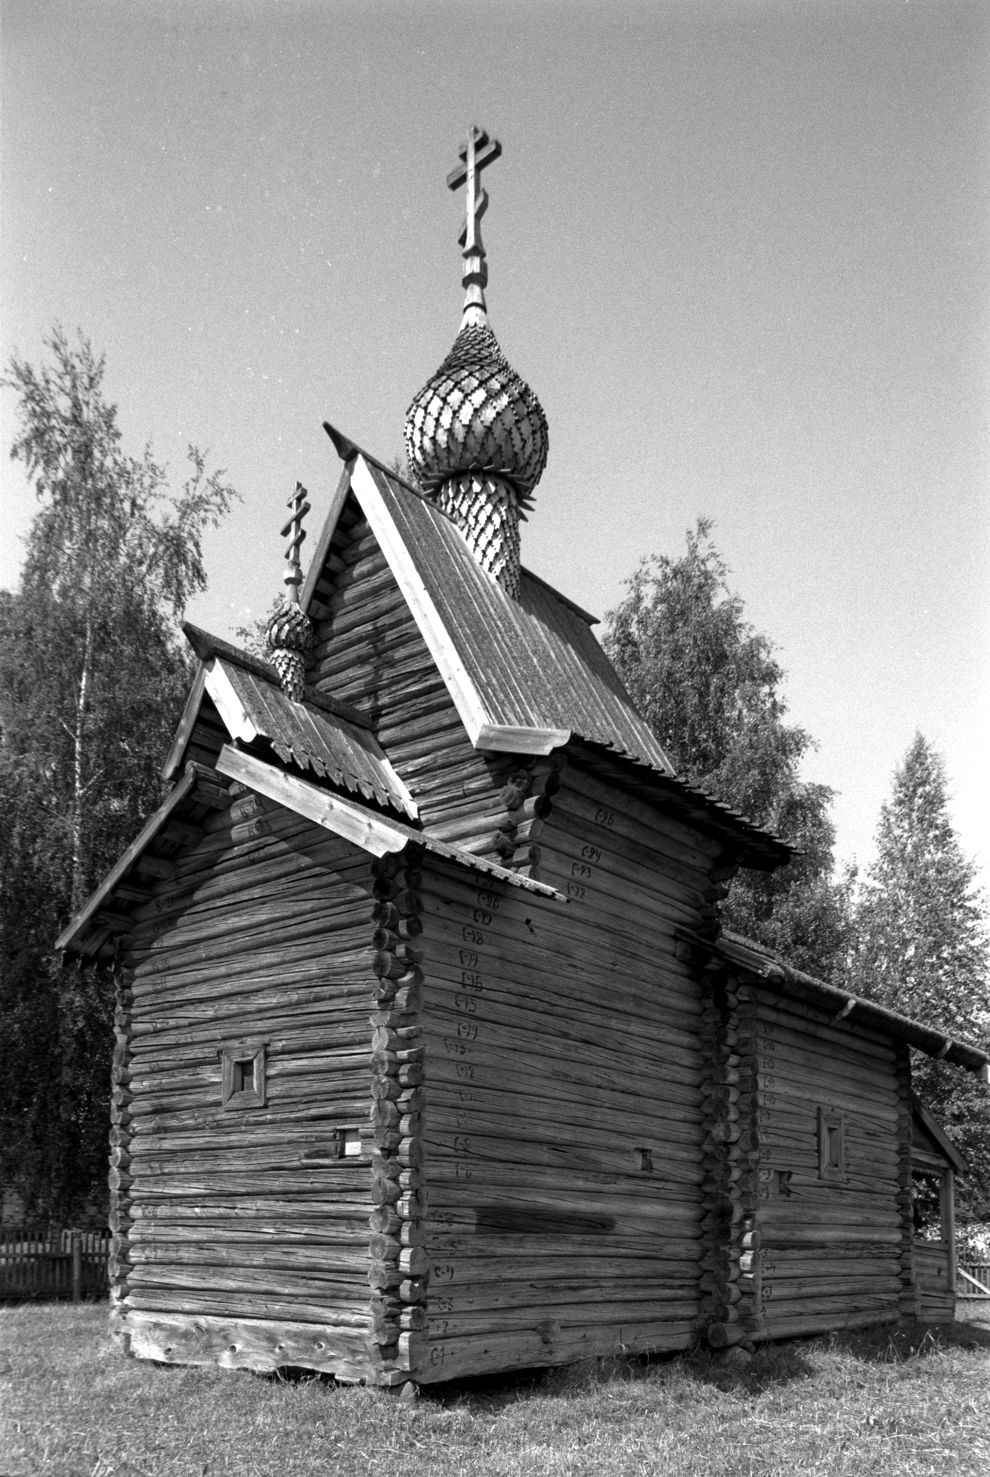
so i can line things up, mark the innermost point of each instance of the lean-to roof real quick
(748, 958)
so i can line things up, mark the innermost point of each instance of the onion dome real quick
(475, 414)
(289, 636)
(476, 435)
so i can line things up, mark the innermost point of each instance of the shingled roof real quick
(330, 739)
(526, 674)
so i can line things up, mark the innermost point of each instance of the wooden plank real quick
(188, 721)
(256, 1344)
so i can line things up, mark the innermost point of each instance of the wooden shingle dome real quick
(476, 435)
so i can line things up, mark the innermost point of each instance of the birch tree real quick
(92, 680)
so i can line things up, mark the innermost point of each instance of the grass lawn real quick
(72, 1406)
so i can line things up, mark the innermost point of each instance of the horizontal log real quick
(580, 788)
(542, 980)
(814, 1322)
(335, 1311)
(783, 1010)
(579, 1314)
(431, 1361)
(253, 1344)
(640, 1123)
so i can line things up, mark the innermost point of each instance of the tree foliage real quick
(710, 686)
(91, 684)
(922, 948)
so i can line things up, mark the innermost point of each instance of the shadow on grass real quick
(771, 1365)
(886, 1345)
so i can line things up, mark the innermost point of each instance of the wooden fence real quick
(973, 1280)
(42, 1263)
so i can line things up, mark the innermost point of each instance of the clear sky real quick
(739, 248)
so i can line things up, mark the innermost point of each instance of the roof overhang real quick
(376, 834)
(747, 958)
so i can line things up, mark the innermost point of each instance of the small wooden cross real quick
(296, 533)
(476, 155)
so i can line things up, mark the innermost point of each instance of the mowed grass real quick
(73, 1406)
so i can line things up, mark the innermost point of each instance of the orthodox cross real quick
(295, 533)
(476, 154)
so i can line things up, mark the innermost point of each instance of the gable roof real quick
(328, 738)
(526, 675)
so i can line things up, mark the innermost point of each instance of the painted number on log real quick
(604, 816)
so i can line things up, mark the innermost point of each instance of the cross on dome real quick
(476, 435)
(295, 532)
(475, 155)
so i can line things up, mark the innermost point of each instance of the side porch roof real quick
(747, 958)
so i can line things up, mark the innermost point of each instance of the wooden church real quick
(431, 1056)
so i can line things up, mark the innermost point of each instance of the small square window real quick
(831, 1145)
(243, 1083)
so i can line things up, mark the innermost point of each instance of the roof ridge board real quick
(206, 645)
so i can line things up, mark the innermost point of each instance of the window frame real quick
(234, 1057)
(832, 1145)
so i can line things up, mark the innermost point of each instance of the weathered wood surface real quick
(562, 1124)
(831, 1244)
(255, 1343)
(263, 931)
(368, 650)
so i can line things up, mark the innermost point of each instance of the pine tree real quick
(92, 680)
(923, 949)
(710, 687)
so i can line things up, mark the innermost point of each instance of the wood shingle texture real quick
(430, 1057)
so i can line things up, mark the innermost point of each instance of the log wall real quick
(832, 1241)
(562, 1118)
(243, 1229)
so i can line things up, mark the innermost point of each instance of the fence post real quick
(76, 1244)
